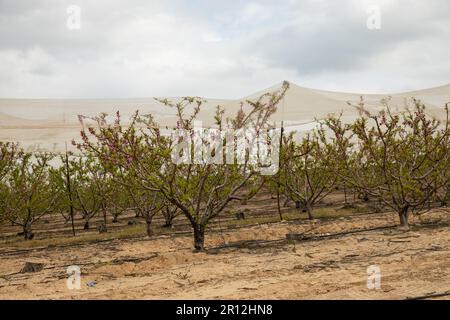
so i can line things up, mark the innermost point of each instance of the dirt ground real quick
(248, 263)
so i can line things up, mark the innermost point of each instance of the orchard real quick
(399, 160)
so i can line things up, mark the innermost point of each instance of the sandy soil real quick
(249, 263)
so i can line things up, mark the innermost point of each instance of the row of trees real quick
(39, 184)
(401, 160)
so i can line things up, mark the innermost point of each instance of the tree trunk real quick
(167, 223)
(104, 214)
(27, 234)
(199, 237)
(309, 210)
(148, 221)
(168, 218)
(86, 225)
(345, 193)
(404, 215)
(115, 219)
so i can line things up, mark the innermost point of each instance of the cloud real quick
(219, 49)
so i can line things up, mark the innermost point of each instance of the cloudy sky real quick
(219, 49)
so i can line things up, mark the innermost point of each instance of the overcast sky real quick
(219, 49)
